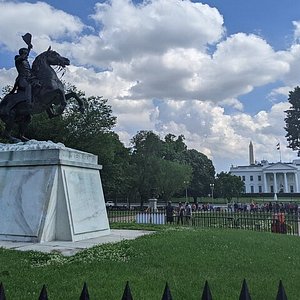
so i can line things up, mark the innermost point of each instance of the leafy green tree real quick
(174, 148)
(147, 143)
(292, 120)
(172, 178)
(167, 167)
(159, 168)
(228, 186)
(146, 153)
(115, 158)
(5, 90)
(203, 173)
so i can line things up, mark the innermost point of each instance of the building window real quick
(252, 188)
(251, 178)
(292, 189)
(259, 189)
(272, 189)
(259, 177)
(243, 177)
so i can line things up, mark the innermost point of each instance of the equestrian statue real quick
(36, 90)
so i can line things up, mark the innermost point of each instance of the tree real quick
(115, 158)
(292, 120)
(5, 90)
(228, 186)
(172, 178)
(154, 170)
(146, 154)
(159, 169)
(203, 173)
(174, 148)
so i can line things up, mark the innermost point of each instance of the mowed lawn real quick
(184, 257)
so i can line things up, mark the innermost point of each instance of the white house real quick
(265, 177)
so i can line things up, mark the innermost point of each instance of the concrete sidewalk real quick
(71, 248)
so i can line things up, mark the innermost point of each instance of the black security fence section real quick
(276, 221)
(206, 294)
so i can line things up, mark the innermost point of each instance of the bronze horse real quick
(48, 95)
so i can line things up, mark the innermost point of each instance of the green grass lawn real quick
(185, 257)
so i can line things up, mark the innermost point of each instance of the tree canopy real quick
(166, 166)
(203, 173)
(228, 186)
(155, 174)
(292, 120)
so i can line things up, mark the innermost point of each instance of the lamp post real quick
(186, 191)
(212, 190)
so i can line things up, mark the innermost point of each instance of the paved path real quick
(71, 248)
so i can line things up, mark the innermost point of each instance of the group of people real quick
(183, 213)
(287, 207)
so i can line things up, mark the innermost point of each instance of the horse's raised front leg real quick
(51, 113)
(56, 110)
(77, 98)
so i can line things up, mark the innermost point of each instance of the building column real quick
(285, 183)
(265, 183)
(275, 183)
(297, 183)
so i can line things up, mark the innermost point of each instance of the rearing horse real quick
(49, 93)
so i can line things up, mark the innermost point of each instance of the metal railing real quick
(167, 295)
(267, 221)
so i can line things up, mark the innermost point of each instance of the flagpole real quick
(280, 155)
(279, 149)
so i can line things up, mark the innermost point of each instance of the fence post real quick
(281, 295)
(2, 293)
(245, 295)
(206, 295)
(127, 293)
(43, 294)
(167, 293)
(84, 293)
(298, 223)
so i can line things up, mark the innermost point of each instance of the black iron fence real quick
(167, 295)
(286, 222)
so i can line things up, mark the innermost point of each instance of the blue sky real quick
(272, 19)
(217, 73)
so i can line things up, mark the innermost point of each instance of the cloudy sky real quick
(216, 71)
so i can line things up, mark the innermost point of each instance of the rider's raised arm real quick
(29, 48)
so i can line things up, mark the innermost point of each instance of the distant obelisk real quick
(251, 154)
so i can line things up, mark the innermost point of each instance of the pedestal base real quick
(50, 192)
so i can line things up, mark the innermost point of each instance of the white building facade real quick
(268, 177)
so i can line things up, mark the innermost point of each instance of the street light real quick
(212, 190)
(186, 192)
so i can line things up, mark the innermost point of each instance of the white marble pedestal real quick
(49, 192)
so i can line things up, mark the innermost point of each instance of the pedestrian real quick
(169, 213)
(181, 211)
(188, 213)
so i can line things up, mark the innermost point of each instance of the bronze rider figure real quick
(25, 78)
